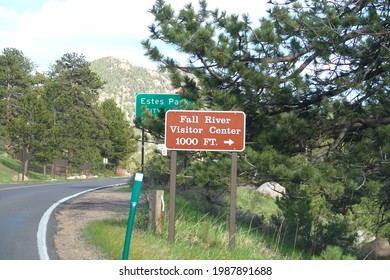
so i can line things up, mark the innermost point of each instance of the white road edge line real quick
(42, 227)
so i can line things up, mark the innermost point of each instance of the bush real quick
(334, 253)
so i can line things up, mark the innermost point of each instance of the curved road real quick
(22, 207)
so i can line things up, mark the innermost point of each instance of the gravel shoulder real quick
(73, 216)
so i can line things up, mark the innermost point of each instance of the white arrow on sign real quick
(229, 142)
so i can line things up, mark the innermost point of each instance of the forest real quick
(53, 116)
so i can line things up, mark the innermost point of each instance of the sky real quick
(45, 30)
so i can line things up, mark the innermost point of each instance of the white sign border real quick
(206, 150)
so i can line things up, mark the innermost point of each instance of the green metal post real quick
(133, 206)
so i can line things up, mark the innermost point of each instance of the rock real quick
(120, 172)
(377, 249)
(19, 177)
(77, 177)
(362, 238)
(272, 189)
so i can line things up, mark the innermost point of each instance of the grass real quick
(260, 205)
(10, 168)
(199, 234)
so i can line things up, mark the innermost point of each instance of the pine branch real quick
(353, 125)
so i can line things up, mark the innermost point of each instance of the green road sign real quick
(153, 102)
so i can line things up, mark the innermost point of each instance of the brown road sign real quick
(205, 130)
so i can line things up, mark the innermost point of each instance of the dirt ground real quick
(76, 213)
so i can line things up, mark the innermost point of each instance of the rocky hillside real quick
(124, 80)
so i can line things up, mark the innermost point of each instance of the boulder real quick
(272, 189)
(19, 177)
(362, 237)
(120, 172)
(377, 249)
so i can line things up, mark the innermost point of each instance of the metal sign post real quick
(133, 207)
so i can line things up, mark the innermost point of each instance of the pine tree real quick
(312, 78)
(71, 94)
(120, 135)
(16, 74)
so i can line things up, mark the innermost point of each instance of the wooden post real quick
(155, 210)
(172, 198)
(233, 203)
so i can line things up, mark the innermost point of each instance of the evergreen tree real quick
(312, 78)
(29, 125)
(16, 79)
(121, 138)
(71, 94)
(25, 120)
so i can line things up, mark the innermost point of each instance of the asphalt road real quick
(22, 207)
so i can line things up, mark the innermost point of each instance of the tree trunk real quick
(24, 160)
(70, 155)
(52, 173)
(44, 168)
(25, 167)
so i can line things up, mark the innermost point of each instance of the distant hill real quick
(124, 80)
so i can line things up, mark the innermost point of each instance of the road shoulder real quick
(74, 215)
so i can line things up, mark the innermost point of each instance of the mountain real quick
(124, 80)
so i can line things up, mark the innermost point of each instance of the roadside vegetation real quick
(201, 233)
(11, 171)
(312, 79)
(9, 168)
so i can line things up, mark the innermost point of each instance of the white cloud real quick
(87, 17)
(95, 28)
